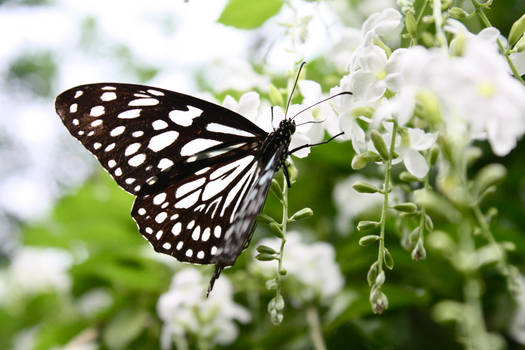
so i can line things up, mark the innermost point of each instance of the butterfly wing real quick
(191, 163)
(140, 133)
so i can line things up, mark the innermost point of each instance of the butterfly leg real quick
(286, 175)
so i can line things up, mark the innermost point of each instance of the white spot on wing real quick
(97, 111)
(188, 201)
(188, 187)
(189, 253)
(206, 234)
(138, 133)
(163, 140)
(159, 198)
(73, 108)
(143, 102)
(109, 87)
(108, 96)
(96, 122)
(130, 114)
(142, 211)
(159, 124)
(165, 163)
(196, 233)
(161, 217)
(185, 118)
(179, 245)
(155, 92)
(112, 163)
(197, 145)
(137, 160)
(117, 131)
(131, 149)
(176, 229)
(216, 127)
(166, 245)
(109, 147)
(217, 231)
(79, 93)
(200, 254)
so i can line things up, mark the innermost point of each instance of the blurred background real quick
(76, 274)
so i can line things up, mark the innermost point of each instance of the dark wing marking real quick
(139, 133)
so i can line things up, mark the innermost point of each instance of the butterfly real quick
(200, 172)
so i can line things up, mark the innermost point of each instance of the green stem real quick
(438, 21)
(506, 53)
(284, 222)
(473, 324)
(312, 317)
(386, 190)
(420, 16)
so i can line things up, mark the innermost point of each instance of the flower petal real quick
(414, 162)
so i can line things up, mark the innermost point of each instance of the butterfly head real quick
(287, 126)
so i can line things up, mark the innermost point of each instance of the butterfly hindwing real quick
(188, 219)
(137, 131)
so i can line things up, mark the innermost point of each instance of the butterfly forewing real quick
(138, 132)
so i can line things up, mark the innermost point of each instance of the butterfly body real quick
(200, 172)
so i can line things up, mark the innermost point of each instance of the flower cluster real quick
(187, 313)
(311, 268)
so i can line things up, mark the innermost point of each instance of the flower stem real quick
(386, 190)
(506, 53)
(438, 20)
(312, 317)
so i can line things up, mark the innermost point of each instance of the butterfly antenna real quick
(312, 122)
(324, 100)
(293, 88)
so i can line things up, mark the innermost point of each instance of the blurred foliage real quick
(34, 71)
(93, 222)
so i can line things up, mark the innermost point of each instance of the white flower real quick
(37, 270)
(247, 106)
(350, 203)
(517, 325)
(313, 266)
(184, 309)
(312, 94)
(479, 90)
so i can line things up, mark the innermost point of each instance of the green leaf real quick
(124, 328)
(249, 14)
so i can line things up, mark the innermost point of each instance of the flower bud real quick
(271, 284)
(434, 154)
(276, 230)
(361, 160)
(380, 145)
(301, 214)
(372, 274)
(265, 257)
(457, 13)
(367, 240)
(265, 249)
(407, 177)
(276, 98)
(276, 188)
(520, 45)
(411, 24)
(419, 252)
(363, 187)
(388, 259)
(366, 225)
(380, 280)
(379, 302)
(489, 175)
(516, 31)
(405, 207)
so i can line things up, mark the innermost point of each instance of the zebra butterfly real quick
(200, 172)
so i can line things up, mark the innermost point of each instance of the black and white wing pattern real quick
(200, 172)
